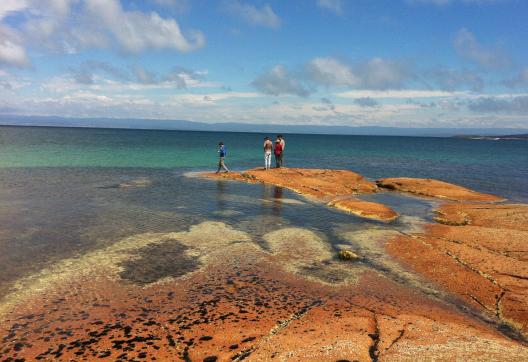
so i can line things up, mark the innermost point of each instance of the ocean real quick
(66, 191)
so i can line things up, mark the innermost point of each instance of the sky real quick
(392, 63)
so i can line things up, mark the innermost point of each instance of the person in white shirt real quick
(268, 147)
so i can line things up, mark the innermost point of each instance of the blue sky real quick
(408, 63)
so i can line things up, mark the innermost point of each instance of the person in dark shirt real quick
(222, 152)
(283, 145)
(278, 153)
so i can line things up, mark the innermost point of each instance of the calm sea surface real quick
(59, 196)
(490, 166)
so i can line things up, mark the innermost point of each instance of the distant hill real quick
(156, 124)
(523, 136)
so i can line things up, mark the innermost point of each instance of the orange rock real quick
(366, 209)
(435, 188)
(310, 182)
(505, 216)
(483, 259)
(325, 185)
(245, 307)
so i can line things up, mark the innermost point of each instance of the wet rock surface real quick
(336, 188)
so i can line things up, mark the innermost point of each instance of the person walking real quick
(222, 152)
(283, 145)
(268, 147)
(278, 153)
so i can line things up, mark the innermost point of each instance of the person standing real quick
(278, 153)
(283, 145)
(268, 147)
(222, 152)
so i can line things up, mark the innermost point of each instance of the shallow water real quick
(66, 192)
(49, 214)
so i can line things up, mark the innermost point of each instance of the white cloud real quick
(264, 16)
(137, 31)
(400, 94)
(87, 96)
(209, 98)
(467, 46)
(46, 24)
(366, 102)
(59, 8)
(451, 79)
(376, 73)
(517, 105)
(13, 54)
(104, 77)
(8, 7)
(68, 26)
(12, 51)
(332, 72)
(278, 80)
(10, 82)
(335, 6)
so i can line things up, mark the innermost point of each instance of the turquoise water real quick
(490, 166)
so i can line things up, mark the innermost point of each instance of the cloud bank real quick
(70, 26)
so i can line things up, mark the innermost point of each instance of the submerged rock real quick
(305, 253)
(348, 255)
(366, 209)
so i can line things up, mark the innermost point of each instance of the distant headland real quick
(523, 136)
(183, 125)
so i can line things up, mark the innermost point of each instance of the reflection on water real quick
(277, 200)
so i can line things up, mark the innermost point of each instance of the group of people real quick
(276, 148)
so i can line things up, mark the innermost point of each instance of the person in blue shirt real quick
(222, 152)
